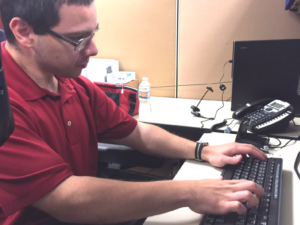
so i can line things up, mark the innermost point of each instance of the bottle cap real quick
(145, 78)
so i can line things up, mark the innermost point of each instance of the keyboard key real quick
(265, 210)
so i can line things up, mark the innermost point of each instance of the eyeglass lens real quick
(83, 43)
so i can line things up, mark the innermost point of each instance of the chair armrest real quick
(120, 154)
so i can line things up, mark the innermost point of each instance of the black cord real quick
(230, 122)
(275, 146)
(223, 90)
(228, 99)
(220, 107)
(288, 143)
(202, 122)
(229, 61)
(278, 145)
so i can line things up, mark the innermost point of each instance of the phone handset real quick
(241, 112)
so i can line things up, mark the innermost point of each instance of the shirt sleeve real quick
(29, 168)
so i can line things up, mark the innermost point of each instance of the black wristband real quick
(198, 150)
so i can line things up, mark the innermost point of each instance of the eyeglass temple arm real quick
(63, 38)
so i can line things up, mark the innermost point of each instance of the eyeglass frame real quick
(81, 44)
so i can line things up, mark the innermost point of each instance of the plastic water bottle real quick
(144, 98)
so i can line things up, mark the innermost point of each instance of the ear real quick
(22, 31)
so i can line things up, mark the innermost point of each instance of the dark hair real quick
(41, 15)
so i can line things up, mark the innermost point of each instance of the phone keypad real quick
(275, 120)
(259, 117)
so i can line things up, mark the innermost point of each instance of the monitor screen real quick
(267, 68)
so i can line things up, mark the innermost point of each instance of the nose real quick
(90, 49)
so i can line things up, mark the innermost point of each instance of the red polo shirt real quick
(55, 136)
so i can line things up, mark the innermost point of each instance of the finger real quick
(249, 149)
(235, 206)
(249, 186)
(233, 182)
(220, 178)
(245, 196)
(232, 160)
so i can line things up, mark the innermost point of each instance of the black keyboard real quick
(267, 174)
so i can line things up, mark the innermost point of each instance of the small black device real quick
(266, 69)
(267, 174)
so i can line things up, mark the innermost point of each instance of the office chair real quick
(2, 36)
(7, 123)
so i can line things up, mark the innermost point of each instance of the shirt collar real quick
(17, 79)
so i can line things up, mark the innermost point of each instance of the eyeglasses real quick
(80, 44)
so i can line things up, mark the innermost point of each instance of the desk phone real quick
(265, 115)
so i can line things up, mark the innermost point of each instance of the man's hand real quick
(231, 153)
(224, 196)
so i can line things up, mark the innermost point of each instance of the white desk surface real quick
(191, 170)
(177, 111)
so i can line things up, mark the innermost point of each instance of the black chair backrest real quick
(7, 124)
(2, 36)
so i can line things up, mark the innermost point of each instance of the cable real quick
(228, 99)
(230, 122)
(222, 88)
(229, 61)
(221, 106)
(202, 122)
(279, 142)
(288, 143)
(272, 146)
(276, 146)
(228, 129)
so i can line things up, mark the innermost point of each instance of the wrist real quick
(205, 153)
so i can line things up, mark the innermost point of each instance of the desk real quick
(177, 112)
(192, 170)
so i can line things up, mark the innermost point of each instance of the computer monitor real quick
(266, 68)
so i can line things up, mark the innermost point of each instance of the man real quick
(48, 165)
